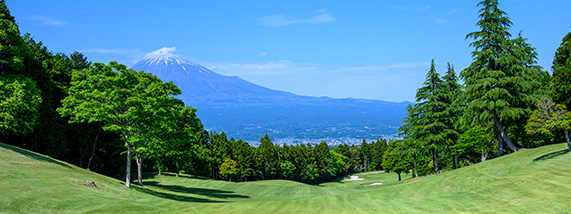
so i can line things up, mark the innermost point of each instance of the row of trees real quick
(237, 160)
(505, 96)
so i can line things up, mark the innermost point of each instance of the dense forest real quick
(103, 116)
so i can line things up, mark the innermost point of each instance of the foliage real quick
(561, 83)
(478, 140)
(229, 168)
(499, 82)
(431, 114)
(19, 104)
(395, 162)
(120, 98)
(549, 117)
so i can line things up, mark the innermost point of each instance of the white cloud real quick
(281, 20)
(46, 21)
(263, 54)
(165, 51)
(132, 55)
(442, 21)
(384, 81)
(451, 12)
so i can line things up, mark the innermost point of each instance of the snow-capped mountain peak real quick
(165, 62)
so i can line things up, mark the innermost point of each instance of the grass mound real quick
(531, 180)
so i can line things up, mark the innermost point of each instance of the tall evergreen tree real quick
(451, 92)
(496, 88)
(561, 81)
(410, 147)
(430, 128)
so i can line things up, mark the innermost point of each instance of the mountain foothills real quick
(244, 110)
(177, 117)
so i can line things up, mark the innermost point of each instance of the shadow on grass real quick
(551, 155)
(32, 155)
(213, 193)
(175, 197)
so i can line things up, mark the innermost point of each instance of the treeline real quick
(506, 102)
(234, 160)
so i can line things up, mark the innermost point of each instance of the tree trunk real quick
(213, 173)
(139, 159)
(567, 136)
(483, 156)
(414, 165)
(128, 171)
(455, 160)
(456, 156)
(159, 172)
(500, 145)
(399, 176)
(504, 135)
(435, 160)
(93, 150)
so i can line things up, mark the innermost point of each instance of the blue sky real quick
(361, 49)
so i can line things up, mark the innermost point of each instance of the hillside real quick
(531, 180)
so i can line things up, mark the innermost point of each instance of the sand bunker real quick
(354, 178)
(374, 184)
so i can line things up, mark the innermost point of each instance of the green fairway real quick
(531, 180)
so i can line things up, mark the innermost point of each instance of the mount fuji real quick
(248, 111)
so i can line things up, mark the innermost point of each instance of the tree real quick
(19, 104)
(393, 162)
(409, 147)
(451, 93)
(476, 139)
(496, 89)
(15, 55)
(161, 114)
(430, 127)
(113, 95)
(20, 96)
(561, 82)
(549, 117)
(229, 168)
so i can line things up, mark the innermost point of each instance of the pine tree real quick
(561, 82)
(496, 86)
(430, 126)
(451, 92)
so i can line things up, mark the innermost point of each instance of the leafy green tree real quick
(476, 139)
(393, 162)
(337, 164)
(430, 127)
(19, 104)
(287, 168)
(562, 73)
(409, 150)
(229, 169)
(15, 55)
(113, 95)
(162, 114)
(549, 117)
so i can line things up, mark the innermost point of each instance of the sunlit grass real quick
(531, 180)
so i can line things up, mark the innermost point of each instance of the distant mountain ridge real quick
(249, 111)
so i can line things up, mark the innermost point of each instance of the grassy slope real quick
(534, 180)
